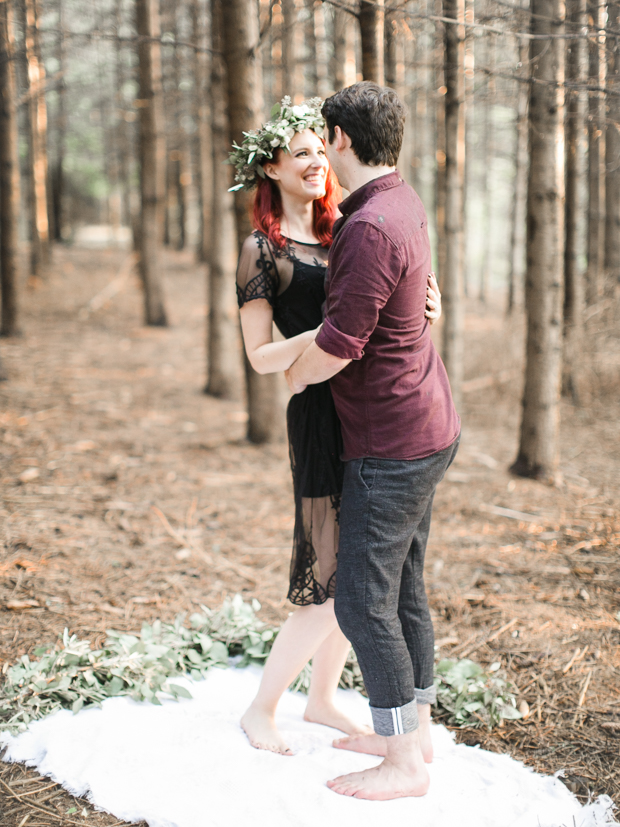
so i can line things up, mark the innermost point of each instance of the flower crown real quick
(259, 145)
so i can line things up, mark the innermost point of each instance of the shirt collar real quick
(360, 196)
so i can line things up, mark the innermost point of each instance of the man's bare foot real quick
(383, 782)
(374, 744)
(329, 715)
(262, 732)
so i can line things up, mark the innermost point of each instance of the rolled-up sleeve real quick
(364, 269)
(339, 344)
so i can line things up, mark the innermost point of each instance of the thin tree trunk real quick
(203, 152)
(612, 147)
(488, 155)
(596, 116)
(322, 51)
(517, 219)
(9, 175)
(452, 294)
(470, 138)
(390, 50)
(37, 140)
(288, 45)
(372, 22)
(576, 169)
(538, 447)
(152, 160)
(240, 28)
(61, 128)
(339, 60)
(223, 329)
(311, 77)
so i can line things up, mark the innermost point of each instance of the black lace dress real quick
(292, 280)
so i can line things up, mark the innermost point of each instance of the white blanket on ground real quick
(188, 764)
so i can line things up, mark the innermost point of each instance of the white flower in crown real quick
(259, 145)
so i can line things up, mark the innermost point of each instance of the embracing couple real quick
(371, 423)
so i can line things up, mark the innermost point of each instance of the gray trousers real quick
(380, 599)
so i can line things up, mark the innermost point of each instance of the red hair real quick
(267, 210)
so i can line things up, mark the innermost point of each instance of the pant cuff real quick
(426, 696)
(396, 720)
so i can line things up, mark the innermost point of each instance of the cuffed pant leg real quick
(374, 541)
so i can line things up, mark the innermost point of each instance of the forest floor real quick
(106, 434)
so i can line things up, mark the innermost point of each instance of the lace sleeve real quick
(257, 276)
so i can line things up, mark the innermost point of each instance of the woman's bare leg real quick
(327, 665)
(299, 638)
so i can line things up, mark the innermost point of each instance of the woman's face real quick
(302, 171)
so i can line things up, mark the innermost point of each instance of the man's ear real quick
(341, 139)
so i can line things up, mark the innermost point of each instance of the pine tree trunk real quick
(452, 292)
(612, 148)
(517, 219)
(341, 18)
(37, 140)
(9, 175)
(322, 51)
(390, 50)
(203, 153)
(576, 169)
(57, 194)
(223, 329)
(311, 78)
(372, 22)
(244, 94)
(152, 161)
(288, 45)
(595, 157)
(538, 447)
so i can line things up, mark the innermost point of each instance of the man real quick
(400, 432)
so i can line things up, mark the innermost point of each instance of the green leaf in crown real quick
(259, 145)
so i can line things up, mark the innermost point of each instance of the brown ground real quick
(112, 417)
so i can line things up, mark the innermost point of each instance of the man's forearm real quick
(313, 366)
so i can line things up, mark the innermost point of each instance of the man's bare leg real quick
(374, 744)
(327, 665)
(402, 773)
(299, 638)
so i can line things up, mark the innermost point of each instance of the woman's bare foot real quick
(382, 783)
(329, 715)
(262, 731)
(374, 744)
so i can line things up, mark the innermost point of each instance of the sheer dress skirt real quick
(315, 446)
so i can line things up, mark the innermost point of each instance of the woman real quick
(280, 278)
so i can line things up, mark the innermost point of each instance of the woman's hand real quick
(433, 300)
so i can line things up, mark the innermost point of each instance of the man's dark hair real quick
(374, 119)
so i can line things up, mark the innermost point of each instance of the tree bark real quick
(152, 161)
(37, 139)
(9, 176)
(57, 194)
(244, 94)
(223, 329)
(311, 77)
(288, 46)
(538, 447)
(518, 216)
(612, 148)
(390, 53)
(576, 170)
(372, 25)
(452, 293)
(596, 116)
(203, 153)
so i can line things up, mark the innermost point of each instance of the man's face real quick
(333, 157)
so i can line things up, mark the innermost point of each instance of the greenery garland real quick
(74, 676)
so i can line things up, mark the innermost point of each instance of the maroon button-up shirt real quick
(393, 399)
